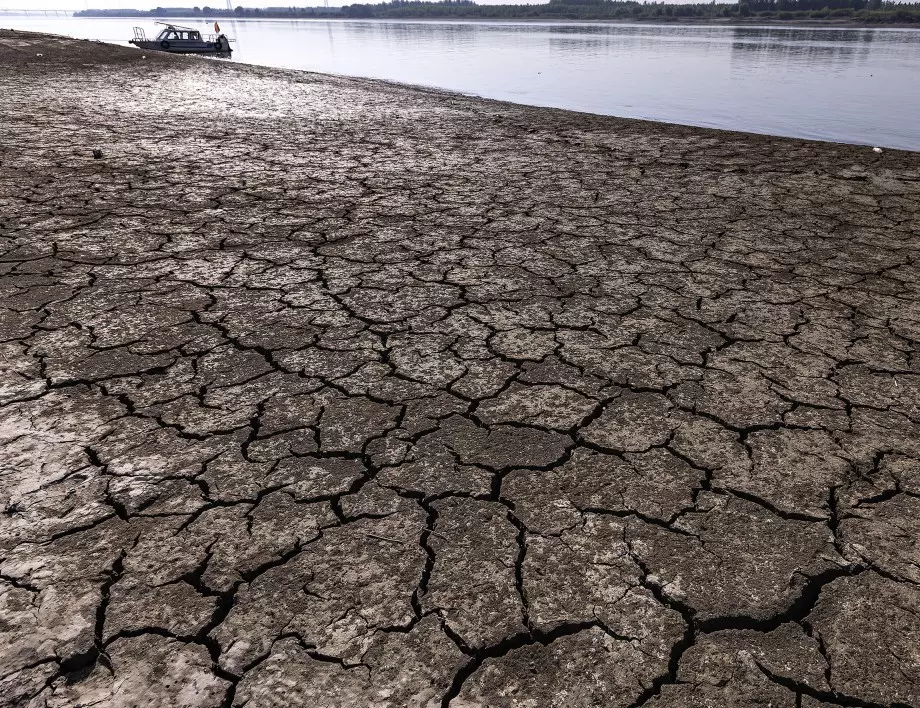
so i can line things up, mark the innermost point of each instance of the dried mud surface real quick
(327, 392)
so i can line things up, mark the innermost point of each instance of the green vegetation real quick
(866, 12)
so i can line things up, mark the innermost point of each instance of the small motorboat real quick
(182, 40)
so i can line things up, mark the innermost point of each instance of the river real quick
(845, 85)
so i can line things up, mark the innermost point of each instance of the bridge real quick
(33, 11)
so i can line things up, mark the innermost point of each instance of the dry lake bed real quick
(327, 392)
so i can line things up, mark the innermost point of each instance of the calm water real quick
(847, 85)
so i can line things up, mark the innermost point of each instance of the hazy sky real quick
(148, 4)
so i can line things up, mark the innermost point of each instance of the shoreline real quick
(474, 96)
(324, 391)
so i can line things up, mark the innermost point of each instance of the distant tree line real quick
(863, 11)
(857, 11)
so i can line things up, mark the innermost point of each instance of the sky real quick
(149, 4)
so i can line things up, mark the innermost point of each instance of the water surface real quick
(846, 85)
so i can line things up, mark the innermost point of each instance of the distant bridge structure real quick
(33, 11)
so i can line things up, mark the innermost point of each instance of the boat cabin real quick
(171, 34)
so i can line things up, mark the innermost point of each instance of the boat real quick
(183, 40)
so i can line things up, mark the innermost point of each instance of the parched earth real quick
(328, 392)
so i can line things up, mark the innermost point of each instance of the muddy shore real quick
(319, 391)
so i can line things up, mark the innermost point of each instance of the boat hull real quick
(179, 47)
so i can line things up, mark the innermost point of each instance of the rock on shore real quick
(327, 392)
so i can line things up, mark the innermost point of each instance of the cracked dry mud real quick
(327, 392)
